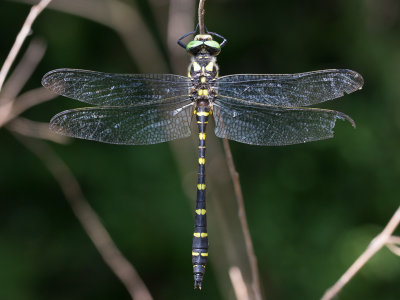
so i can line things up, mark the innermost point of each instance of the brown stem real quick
(201, 17)
(89, 219)
(243, 221)
(25, 30)
(376, 244)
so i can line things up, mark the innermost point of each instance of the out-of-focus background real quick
(312, 208)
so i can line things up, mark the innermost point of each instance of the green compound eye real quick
(213, 47)
(213, 44)
(193, 44)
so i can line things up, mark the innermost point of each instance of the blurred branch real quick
(25, 30)
(180, 21)
(394, 245)
(89, 219)
(243, 221)
(10, 108)
(23, 71)
(126, 21)
(384, 238)
(35, 130)
(238, 284)
(13, 108)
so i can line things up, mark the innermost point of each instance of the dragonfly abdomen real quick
(200, 235)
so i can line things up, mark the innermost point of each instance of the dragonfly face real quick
(203, 43)
(143, 109)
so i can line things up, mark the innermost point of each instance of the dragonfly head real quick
(203, 43)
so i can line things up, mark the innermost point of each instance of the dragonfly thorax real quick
(203, 70)
(203, 65)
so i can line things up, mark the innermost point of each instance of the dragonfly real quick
(256, 109)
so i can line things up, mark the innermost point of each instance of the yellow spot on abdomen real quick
(202, 161)
(195, 253)
(204, 254)
(200, 211)
(201, 186)
(200, 234)
(202, 136)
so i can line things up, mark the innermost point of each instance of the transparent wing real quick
(117, 89)
(291, 90)
(139, 125)
(273, 126)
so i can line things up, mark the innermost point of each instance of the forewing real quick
(273, 126)
(291, 90)
(117, 89)
(139, 125)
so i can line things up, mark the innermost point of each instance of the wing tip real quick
(356, 78)
(49, 79)
(345, 117)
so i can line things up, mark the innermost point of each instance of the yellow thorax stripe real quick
(210, 66)
(196, 66)
(202, 113)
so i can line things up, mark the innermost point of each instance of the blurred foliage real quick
(312, 208)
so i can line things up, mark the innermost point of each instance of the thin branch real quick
(376, 244)
(243, 221)
(393, 245)
(13, 108)
(179, 20)
(34, 129)
(127, 21)
(25, 30)
(201, 17)
(32, 98)
(24, 69)
(89, 219)
(10, 106)
(238, 283)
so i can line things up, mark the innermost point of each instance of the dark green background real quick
(312, 208)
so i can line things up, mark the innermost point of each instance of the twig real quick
(201, 17)
(238, 283)
(89, 219)
(24, 69)
(69, 185)
(127, 21)
(376, 244)
(243, 221)
(34, 129)
(25, 30)
(11, 109)
(394, 245)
